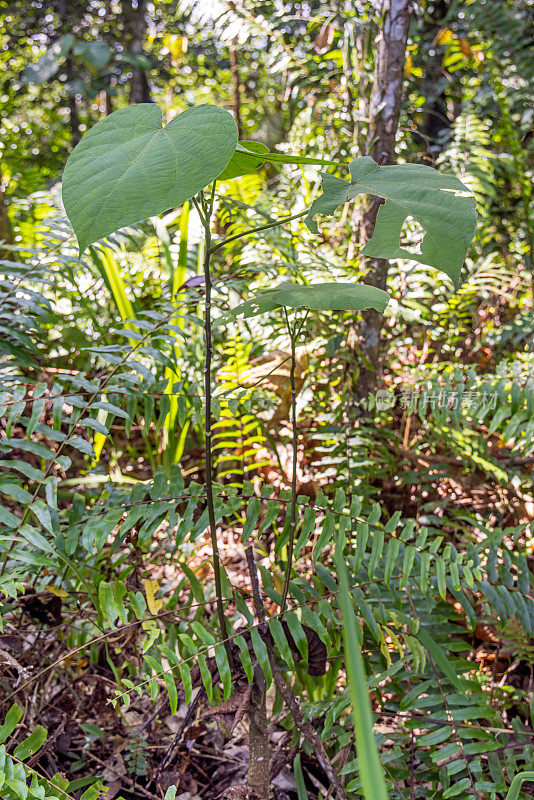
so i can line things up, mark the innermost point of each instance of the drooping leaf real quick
(440, 658)
(429, 196)
(106, 599)
(299, 779)
(324, 297)
(94, 792)
(172, 691)
(128, 167)
(151, 587)
(277, 632)
(371, 772)
(49, 63)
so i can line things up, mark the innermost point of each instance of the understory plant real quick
(127, 168)
(405, 598)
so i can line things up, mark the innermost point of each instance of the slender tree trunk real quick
(74, 120)
(6, 231)
(237, 87)
(135, 17)
(66, 27)
(258, 740)
(384, 108)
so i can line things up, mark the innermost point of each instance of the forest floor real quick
(201, 749)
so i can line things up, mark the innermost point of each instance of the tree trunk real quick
(66, 26)
(384, 109)
(6, 231)
(237, 89)
(135, 19)
(74, 120)
(258, 742)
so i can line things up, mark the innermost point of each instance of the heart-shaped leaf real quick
(323, 297)
(128, 167)
(431, 197)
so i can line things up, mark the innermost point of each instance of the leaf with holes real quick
(437, 201)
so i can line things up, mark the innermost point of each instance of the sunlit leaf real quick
(151, 587)
(444, 36)
(323, 297)
(128, 167)
(437, 201)
(241, 162)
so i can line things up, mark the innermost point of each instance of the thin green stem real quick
(302, 323)
(210, 250)
(293, 518)
(208, 206)
(200, 213)
(256, 230)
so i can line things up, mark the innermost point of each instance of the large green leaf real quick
(431, 197)
(323, 297)
(128, 167)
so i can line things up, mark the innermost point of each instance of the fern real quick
(238, 437)
(18, 781)
(503, 26)
(471, 158)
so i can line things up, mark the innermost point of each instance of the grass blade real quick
(370, 768)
